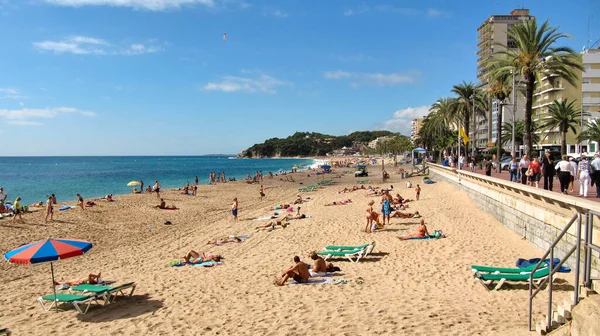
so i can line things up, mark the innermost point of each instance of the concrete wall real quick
(536, 214)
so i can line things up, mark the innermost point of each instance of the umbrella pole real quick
(54, 287)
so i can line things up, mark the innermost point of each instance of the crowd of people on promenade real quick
(543, 170)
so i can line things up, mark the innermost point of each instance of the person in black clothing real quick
(488, 168)
(549, 171)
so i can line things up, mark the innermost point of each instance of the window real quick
(592, 147)
(571, 148)
(586, 80)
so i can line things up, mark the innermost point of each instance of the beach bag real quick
(529, 172)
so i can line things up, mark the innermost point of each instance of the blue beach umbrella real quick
(47, 250)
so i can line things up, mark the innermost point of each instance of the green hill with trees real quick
(310, 144)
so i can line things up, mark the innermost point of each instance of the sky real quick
(158, 77)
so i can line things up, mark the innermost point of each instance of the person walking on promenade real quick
(595, 173)
(488, 168)
(548, 170)
(461, 161)
(536, 172)
(564, 174)
(514, 169)
(523, 166)
(573, 166)
(584, 176)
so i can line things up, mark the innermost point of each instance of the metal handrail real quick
(553, 270)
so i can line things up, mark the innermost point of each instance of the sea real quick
(35, 178)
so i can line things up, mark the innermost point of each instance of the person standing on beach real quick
(262, 192)
(49, 210)
(3, 195)
(386, 209)
(234, 209)
(418, 192)
(196, 180)
(141, 186)
(18, 208)
(156, 189)
(53, 199)
(223, 177)
(80, 200)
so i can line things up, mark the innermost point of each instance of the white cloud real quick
(357, 79)
(401, 119)
(31, 117)
(84, 45)
(10, 93)
(258, 82)
(153, 5)
(275, 13)
(394, 10)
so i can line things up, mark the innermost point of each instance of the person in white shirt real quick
(524, 165)
(563, 167)
(584, 176)
(461, 161)
(573, 165)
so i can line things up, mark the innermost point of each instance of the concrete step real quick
(545, 326)
(564, 312)
(539, 329)
(558, 318)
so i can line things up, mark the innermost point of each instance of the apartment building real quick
(415, 127)
(590, 88)
(494, 31)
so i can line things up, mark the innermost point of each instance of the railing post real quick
(585, 249)
(530, 301)
(588, 251)
(577, 258)
(549, 317)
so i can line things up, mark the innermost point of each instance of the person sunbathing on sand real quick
(135, 191)
(342, 202)
(194, 257)
(406, 215)
(91, 279)
(272, 225)
(225, 240)
(298, 272)
(163, 205)
(320, 268)
(421, 232)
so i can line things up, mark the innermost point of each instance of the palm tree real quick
(506, 135)
(500, 87)
(564, 116)
(467, 94)
(535, 56)
(591, 132)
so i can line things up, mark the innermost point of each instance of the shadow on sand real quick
(122, 308)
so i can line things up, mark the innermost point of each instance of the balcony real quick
(590, 87)
(591, 101)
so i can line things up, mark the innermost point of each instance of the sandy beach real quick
(410, 287)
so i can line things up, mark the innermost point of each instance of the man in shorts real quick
(234, 209)
(298, 272)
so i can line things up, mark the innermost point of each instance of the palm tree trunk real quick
(527, 134)
(498, 141)
(563, 142)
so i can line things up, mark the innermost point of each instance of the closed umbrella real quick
(48, 250)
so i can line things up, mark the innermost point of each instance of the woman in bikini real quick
(421, 232)
(272, 226)
(371, 216)
(194, 257)
(406, 215)
(224, 241)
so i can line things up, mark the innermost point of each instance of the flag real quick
(464, 135)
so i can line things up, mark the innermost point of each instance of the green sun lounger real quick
(368, 248)
(81, 302)
(5, 331)
(488, 279)
(108, 293)
(492, 269)
(350, 254)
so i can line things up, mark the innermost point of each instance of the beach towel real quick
(529, 262)
(208, 264)
(313, 281)
(66, 207)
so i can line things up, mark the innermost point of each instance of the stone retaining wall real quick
(539, 216)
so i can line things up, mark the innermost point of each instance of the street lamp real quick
(514, 101)
(473, 151)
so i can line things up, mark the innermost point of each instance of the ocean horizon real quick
(34, 178)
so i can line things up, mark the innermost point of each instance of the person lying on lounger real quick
(163, 205)
(91, 279)
(272, 226)
(406, 215)
(298, 272)
(421, 232)
(224, 241)
(194, 257)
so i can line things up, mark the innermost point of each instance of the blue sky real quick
(153, 77)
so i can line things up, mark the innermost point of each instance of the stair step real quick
(564, 312)
(544, 321)
(540, 329)
(558, 318)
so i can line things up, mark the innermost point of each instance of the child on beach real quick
(262, 191)
(49, 210)
(81, 202)
(418, 192)
(234, 209)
